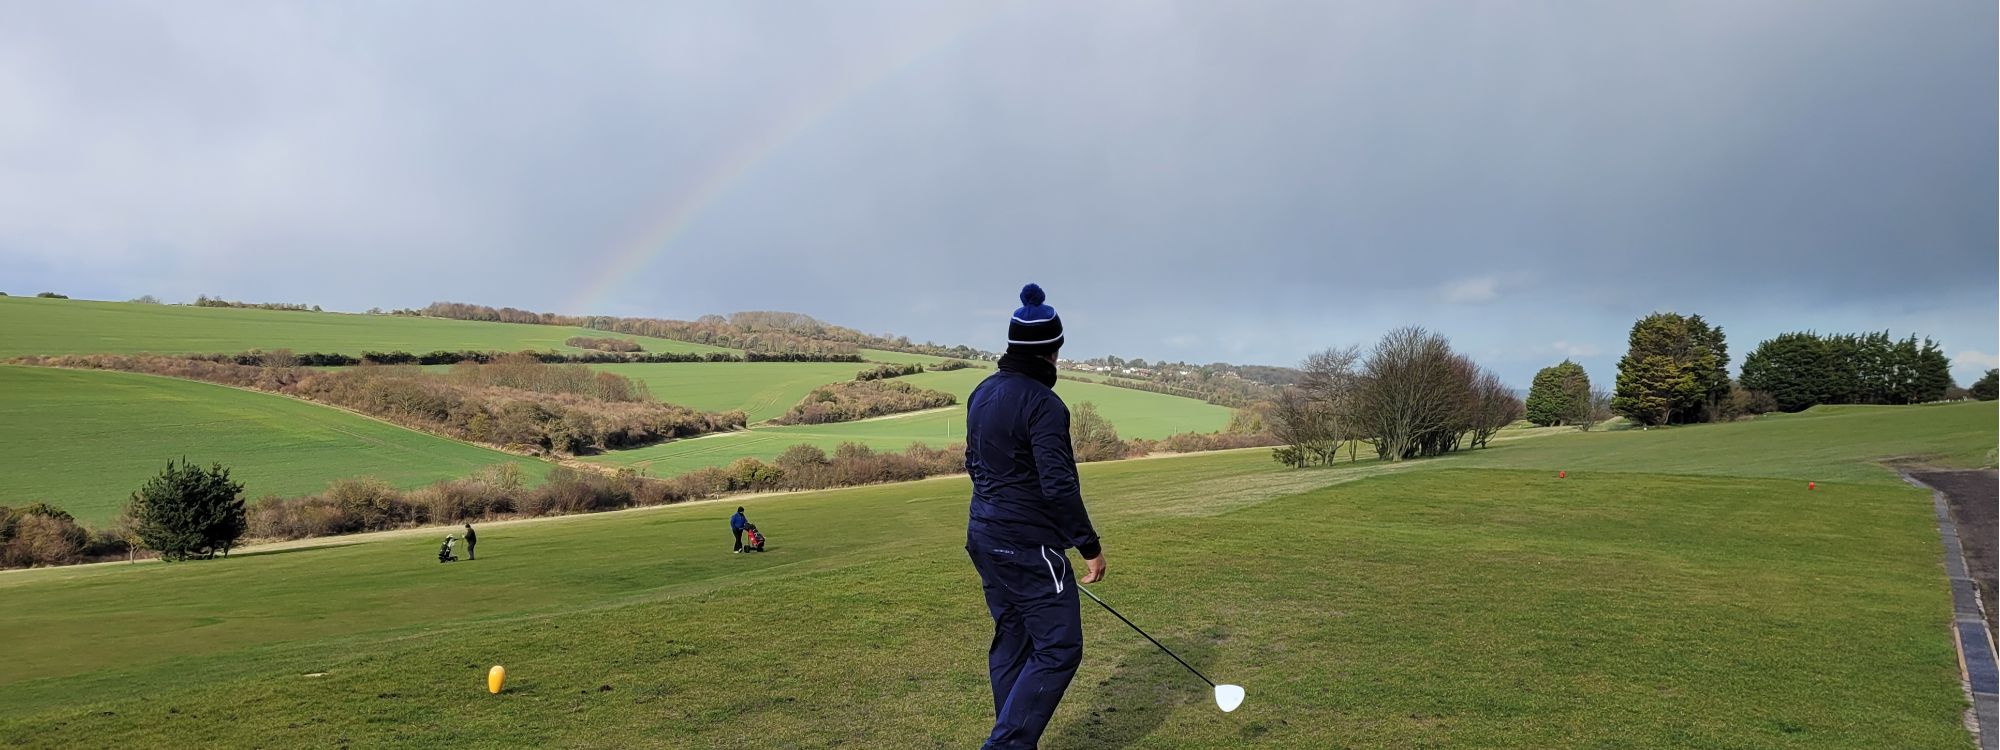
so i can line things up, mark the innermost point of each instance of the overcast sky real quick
(1204, 181)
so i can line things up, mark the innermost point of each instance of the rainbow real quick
(680, 209)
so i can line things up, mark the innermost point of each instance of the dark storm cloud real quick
(1201, 181)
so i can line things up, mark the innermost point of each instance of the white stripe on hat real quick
(1032, 343)
(1032, 322)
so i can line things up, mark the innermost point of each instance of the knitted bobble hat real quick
(1035, 328)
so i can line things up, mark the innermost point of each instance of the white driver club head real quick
(1228, 697)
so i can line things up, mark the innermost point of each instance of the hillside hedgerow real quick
(846, 402)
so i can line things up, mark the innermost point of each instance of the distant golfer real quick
(736, 524)
(1027, 509)
(471, 540)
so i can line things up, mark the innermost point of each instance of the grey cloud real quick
(1243, 181)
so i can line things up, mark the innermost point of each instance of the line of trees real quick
(207, 301)
(862, 399)
(603, 344)
(1987, 388)
(1804, 369)
(770, 332)
(1410, 395)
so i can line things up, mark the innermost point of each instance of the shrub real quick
(884, 372)
(189, 512)
(569, 490)
(51, 295)
(371, 503)
(459, 500)
(845, 402)
(949, 365)
(45, 540)
(1744, 402)
(1092, 436)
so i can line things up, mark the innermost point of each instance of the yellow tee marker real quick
(495, 679)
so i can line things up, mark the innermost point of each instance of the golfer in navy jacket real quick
(1027, 509)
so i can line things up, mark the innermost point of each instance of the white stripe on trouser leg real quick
(1052, 568)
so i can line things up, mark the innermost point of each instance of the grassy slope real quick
(764, 389)
(1428, 604)
(42, 326)
(1134, 413)
(84, 440)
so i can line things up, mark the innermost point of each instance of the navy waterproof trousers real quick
(1037, 634)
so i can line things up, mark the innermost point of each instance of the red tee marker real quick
(1562, 475)
(1811, 485)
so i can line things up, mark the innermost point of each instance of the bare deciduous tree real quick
(1599, 410)
(1494, 406)
(1330, 383)
(1412, 398)
(1302, 425)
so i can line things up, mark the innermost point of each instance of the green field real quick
(1474, 601)
(764, 389)
(84, 440)
(1134, 413)
(53, 326)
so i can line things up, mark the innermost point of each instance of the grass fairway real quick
(1822, 444)
(1134, 413)
(1455, 603)
(124, 427)
(54, 326)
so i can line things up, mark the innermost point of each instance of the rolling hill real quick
(84, 440)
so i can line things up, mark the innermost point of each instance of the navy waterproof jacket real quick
(1017, 449)
(737, 522)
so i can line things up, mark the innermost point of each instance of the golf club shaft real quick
(1156, 642)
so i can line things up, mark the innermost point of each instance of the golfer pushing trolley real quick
(1026, 512)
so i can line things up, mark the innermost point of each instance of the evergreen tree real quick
(189, 512)
(1987, 388)
(1560, 395)
(1675, 370)
(1796, 369)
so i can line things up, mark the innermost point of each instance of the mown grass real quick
(1822, 444)
(1136, 414)
(1425, 604)
(52, 326)
(84, 440)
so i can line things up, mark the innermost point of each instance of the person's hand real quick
(1093, 569)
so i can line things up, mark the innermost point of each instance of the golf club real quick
(1227, 697)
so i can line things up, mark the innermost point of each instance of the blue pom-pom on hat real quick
(1035, 328)
(1032, 295)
